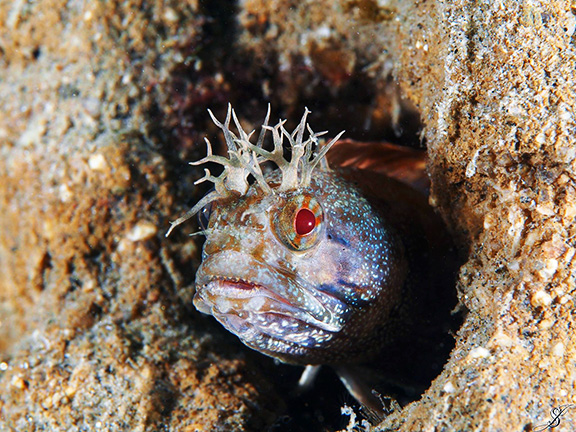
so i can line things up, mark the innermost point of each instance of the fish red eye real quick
(304, 222)
(299, 222)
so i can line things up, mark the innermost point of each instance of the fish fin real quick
(308, 377)
(379, 394)
(359, 386)
(404, 164)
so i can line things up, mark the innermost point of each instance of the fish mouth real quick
(269, 310)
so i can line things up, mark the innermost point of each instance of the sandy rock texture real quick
(97, 328)
(104, 102)
(495, 89)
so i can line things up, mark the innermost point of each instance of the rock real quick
(97, 329)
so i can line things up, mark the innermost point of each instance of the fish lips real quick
(258, 302)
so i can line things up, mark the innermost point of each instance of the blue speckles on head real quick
(367, 250)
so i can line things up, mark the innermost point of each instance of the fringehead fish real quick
(314, 265)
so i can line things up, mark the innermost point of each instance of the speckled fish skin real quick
(337, 301)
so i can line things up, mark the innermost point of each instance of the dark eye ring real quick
(204, 216)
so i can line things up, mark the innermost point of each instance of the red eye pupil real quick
(304, 222)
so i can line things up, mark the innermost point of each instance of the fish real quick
(341, 263)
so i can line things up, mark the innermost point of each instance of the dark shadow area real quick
(315, 409)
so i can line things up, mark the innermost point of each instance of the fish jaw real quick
(269, 310)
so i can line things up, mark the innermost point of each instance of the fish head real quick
(307, 275)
